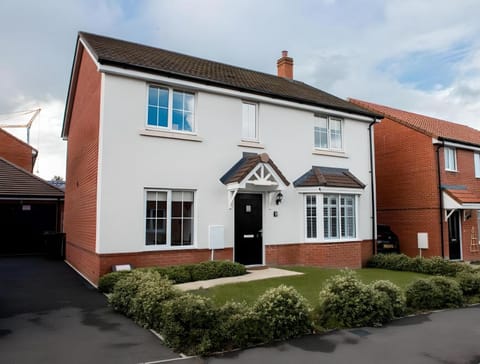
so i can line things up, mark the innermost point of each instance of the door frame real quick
(263, 219)
(460, 242)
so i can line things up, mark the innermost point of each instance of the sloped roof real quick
(328, 177)
(463, 196)
(119, 53)
(244, 166)
(436, 128)
(17, 182)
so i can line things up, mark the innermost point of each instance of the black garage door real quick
(22, 226)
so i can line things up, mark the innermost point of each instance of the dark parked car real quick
(387, 241)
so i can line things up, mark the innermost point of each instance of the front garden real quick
(276, 309)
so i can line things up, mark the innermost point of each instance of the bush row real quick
(180, 273)
(434, 266)
(193, 324)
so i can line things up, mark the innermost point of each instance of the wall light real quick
(279, 198)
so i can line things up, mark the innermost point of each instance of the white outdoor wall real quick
(131, 162)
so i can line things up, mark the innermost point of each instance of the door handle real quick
(248, 236)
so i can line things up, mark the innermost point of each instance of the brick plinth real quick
(334, 255)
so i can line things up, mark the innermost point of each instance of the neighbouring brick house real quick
(29, 206)
(171, 160)
(428, 180)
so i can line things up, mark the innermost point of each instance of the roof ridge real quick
(24, 171)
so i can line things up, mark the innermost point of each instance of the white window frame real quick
(476, 163)
(245, 136)
(169, 126)
(329, 133)
(450, 156)
(167, 245)
(320, 217)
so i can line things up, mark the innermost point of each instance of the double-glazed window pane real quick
(157, 107)
(330, 216)
(182, 118)
(249, 121)
(328, 133)
(311, 215)
(476, 158)
(156, 218)
(450, 159)
(347, 216)
(169, 218)
(171, 109)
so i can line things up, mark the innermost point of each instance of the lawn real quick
(308, 284)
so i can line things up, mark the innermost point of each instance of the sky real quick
(417, 55)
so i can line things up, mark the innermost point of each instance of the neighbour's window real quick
(450, 159)
(170, 109)
(249, 121)
(338, 219)
(476, 158)
(328, 133)
(169, 218)
(478, 226)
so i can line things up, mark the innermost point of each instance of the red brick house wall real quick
(16, 151)
(407, 187)
(82, 165)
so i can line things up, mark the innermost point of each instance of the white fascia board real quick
(228, 92)
(455, 145)
(98, 250)
(90, 53)
(322, 189)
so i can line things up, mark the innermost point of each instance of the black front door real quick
(248, 229)
(454, 235)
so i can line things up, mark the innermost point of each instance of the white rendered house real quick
(174, 159)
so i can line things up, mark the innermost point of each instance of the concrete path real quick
(49, 314)
(252, 275)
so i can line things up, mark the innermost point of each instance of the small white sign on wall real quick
(422, 239)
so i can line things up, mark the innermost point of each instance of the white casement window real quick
(330, 217)
(169, 218)
(249, 122)
(328, 133)
(170, 109)
(450, 159)
(476, 161)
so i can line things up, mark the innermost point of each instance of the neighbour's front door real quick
(248, 229)
(454, 235)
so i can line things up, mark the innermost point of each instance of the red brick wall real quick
(16, 151)
(407, 185)
(81, 176)
(334, 255)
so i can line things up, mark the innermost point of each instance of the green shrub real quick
(395, 295)
(216, 269)
(126, 288)
(469, 283)
(347, 302)
(434, 266)
(179, 273)
(227, 268)
(283, 312)
(147, 304)
(191, 324)
(108, 281)
(434, 293)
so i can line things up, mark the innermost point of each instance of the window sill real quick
(171, 135)
(451, 170)
(348, 240)
(329, 153)
(247, 144)
(154, 248)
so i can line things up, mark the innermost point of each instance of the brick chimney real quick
(285, 66)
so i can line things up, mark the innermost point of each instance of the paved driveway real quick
(49, 314)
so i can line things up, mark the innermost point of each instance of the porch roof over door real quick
(460, 199)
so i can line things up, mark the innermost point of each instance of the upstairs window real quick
(170, 109)
(249, 122)
(450, 159)
(328, 133)
(476, 159)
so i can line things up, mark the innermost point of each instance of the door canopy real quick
(254, 173)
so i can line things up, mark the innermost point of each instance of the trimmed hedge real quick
(469, 283)
(394, 294)
(434, 293)
(347, 302)
(179, 273)
(434, 266)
